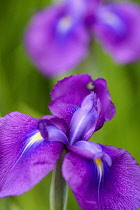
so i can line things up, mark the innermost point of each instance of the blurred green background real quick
(24, 89)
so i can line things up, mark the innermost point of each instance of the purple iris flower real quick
(56, 39)
(117, 28)
(101, 177)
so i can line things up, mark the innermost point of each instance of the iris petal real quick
(68, 94)
(25, 157)
(121, 182)
(51, 132)
(96, 185)
(82, 177)
(106, 108)
(89, 150)
(83, 120)
(119, 32)
(54, 43)
(65, 25)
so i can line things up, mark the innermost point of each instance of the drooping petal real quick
(100, 186)
(25, 157)
(68, 94)
(117, 28)
(81, 176)
(83, 169)
(121, 185)
(55, 41)
(107, 109)
(84, 120)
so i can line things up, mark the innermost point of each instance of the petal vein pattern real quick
(25, 157)
(33, 140)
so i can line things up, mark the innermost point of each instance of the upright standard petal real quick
(84, 120)
(107, 108)
(68, 94)
(101, 184)
(117, 28)
(25, 157)
(56, 41)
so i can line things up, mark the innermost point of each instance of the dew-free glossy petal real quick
(25, 157)
(55, 41)
(68, 94)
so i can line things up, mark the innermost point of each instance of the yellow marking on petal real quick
(33, 139)
(36, 137)
(99, 165)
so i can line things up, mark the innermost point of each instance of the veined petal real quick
(55, 42)
(68, 94)
(81, 175)
(25, 157)
(84, 119)
(121, 185)
(96, 185)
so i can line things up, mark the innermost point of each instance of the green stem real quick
(6, 204)
(58, 192)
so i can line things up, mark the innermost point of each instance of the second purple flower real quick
(58, 38)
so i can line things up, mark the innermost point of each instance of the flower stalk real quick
(58, 191)
(6, 204)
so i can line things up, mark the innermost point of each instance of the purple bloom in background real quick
(56, 39)
(117, 28)
(101, 177)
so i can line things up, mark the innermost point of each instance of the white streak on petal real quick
(37, 137)
(32, 140)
